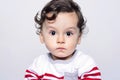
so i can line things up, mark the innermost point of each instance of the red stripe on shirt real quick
(51, 75)
(31, 72)
(93, 74)
(86, 75)
(41, 76)
(90, 79)
(93, 69)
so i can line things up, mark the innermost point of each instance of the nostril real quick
(61, 42)
(61, 39)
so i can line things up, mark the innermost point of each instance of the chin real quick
(61, 57)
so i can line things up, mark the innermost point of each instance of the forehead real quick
(63, 20)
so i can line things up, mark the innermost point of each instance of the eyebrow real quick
(69, 28)
(50, 27)
(74, 28)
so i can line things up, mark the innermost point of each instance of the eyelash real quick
(69, 33)
(52, 32)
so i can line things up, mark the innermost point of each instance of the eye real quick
(52, 33)
(69, 33)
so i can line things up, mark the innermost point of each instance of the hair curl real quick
(55, 7)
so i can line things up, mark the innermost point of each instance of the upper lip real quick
(60, 48)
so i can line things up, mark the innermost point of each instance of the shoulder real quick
(39, 63)
(85, 58)
(42, 59)
(37, 67)
(84, 61)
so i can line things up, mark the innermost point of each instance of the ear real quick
(79, 39)
(41, 38)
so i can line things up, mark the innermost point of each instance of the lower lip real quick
(61, 48)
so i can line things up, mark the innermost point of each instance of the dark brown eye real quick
(69, 33)
(52, 33)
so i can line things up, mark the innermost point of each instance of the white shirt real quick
(80, 66)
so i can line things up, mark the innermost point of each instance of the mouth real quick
(61, 48)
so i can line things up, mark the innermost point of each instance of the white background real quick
(19, 44)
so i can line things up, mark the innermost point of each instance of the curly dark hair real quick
(55, 7)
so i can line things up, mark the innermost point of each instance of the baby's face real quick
(61, 35)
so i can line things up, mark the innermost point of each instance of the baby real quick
(60, 26)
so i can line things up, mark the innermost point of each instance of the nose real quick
(60, 39)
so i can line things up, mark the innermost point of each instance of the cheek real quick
(71, 43)
(49, 46)
(49, 42)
